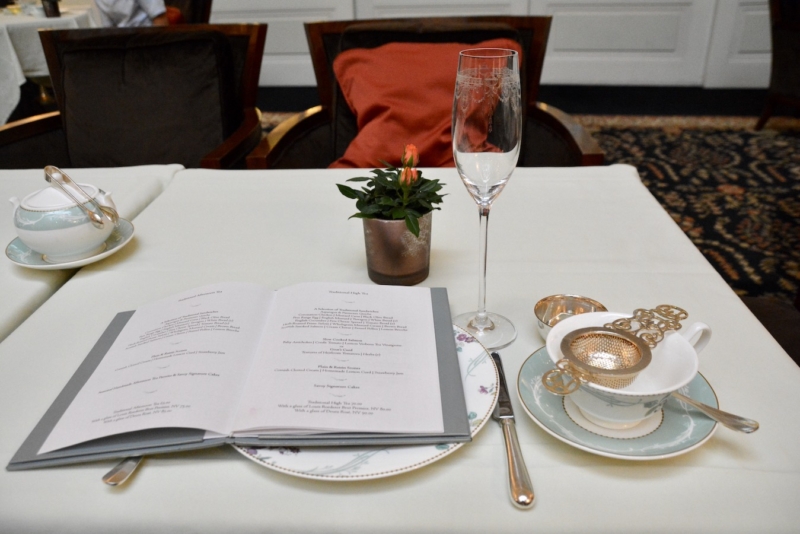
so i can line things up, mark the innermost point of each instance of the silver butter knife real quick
(519, 481)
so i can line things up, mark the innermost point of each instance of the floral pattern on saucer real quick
(674, 430)
(22, 255)
(480, 379)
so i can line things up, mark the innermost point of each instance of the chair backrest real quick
(328, 39)
(193, 11)
(132, 96)
(784, 14)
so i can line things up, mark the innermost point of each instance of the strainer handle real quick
(564, 379)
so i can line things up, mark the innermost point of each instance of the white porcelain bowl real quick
(52, 224)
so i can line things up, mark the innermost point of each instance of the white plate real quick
(674, 430)
(19, 253)
(479, 376)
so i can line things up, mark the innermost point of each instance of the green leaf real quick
(413, 225)
(431, 185)
(383, 181)
(398, 213)
(370, 209)
(349, 192)
(360, 179)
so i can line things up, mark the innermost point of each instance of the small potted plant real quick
(396, 206)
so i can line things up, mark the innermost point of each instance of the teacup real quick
(674, 364)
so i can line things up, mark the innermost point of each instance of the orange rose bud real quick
(408, 176)
(410, 156)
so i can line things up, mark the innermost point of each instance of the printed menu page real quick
(345, 358)
(175, 364)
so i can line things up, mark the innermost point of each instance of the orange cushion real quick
(402, 93)
(174, 15)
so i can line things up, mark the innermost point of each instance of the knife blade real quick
(518, 479)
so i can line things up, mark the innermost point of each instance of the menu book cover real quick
(314, 364)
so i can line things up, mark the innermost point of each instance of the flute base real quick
(500, 333)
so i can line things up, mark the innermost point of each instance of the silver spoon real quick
(122, 471)
(54, 175)
(734, 422)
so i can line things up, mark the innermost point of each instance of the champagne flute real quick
(487, 128)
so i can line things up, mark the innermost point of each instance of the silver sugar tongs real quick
(55, 175)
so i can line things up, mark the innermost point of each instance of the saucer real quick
(19, 253)
(675, 430)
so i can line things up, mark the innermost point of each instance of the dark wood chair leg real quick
(765, 115)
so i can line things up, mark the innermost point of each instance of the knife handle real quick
(518, 479)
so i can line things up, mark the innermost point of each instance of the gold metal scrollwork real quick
(651, 325)
(563, 380)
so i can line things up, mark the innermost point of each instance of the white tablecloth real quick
(593, 231)
(23, 290)
(21, 53)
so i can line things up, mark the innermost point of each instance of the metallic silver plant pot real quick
(394, 255)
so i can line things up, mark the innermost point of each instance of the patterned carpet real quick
(734, 191)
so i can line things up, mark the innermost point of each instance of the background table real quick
(21, 54)
(593, 231)
(23, 290)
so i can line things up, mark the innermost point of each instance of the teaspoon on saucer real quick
(734, 422)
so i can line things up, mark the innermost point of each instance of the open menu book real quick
(310, 364)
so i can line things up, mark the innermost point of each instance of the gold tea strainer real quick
(611, 355)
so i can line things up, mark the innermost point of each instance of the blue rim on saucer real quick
(22, 255)
(676, 429)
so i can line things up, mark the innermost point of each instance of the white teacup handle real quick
(697, 334)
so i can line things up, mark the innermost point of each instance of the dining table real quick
(21, 53)
(24, 288)
(592, 231)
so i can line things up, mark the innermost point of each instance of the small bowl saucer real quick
(676, 429)
(19, 253)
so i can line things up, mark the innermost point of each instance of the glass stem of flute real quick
(481, 320)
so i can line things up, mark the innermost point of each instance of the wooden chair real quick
(177, 94)
(320, 135)
(784, 83)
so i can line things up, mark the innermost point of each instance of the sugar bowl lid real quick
(51, 198)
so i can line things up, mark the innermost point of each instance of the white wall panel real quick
(286, 58)
(380, 9)
(626, 42)
(740, 50)
(711, 43)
